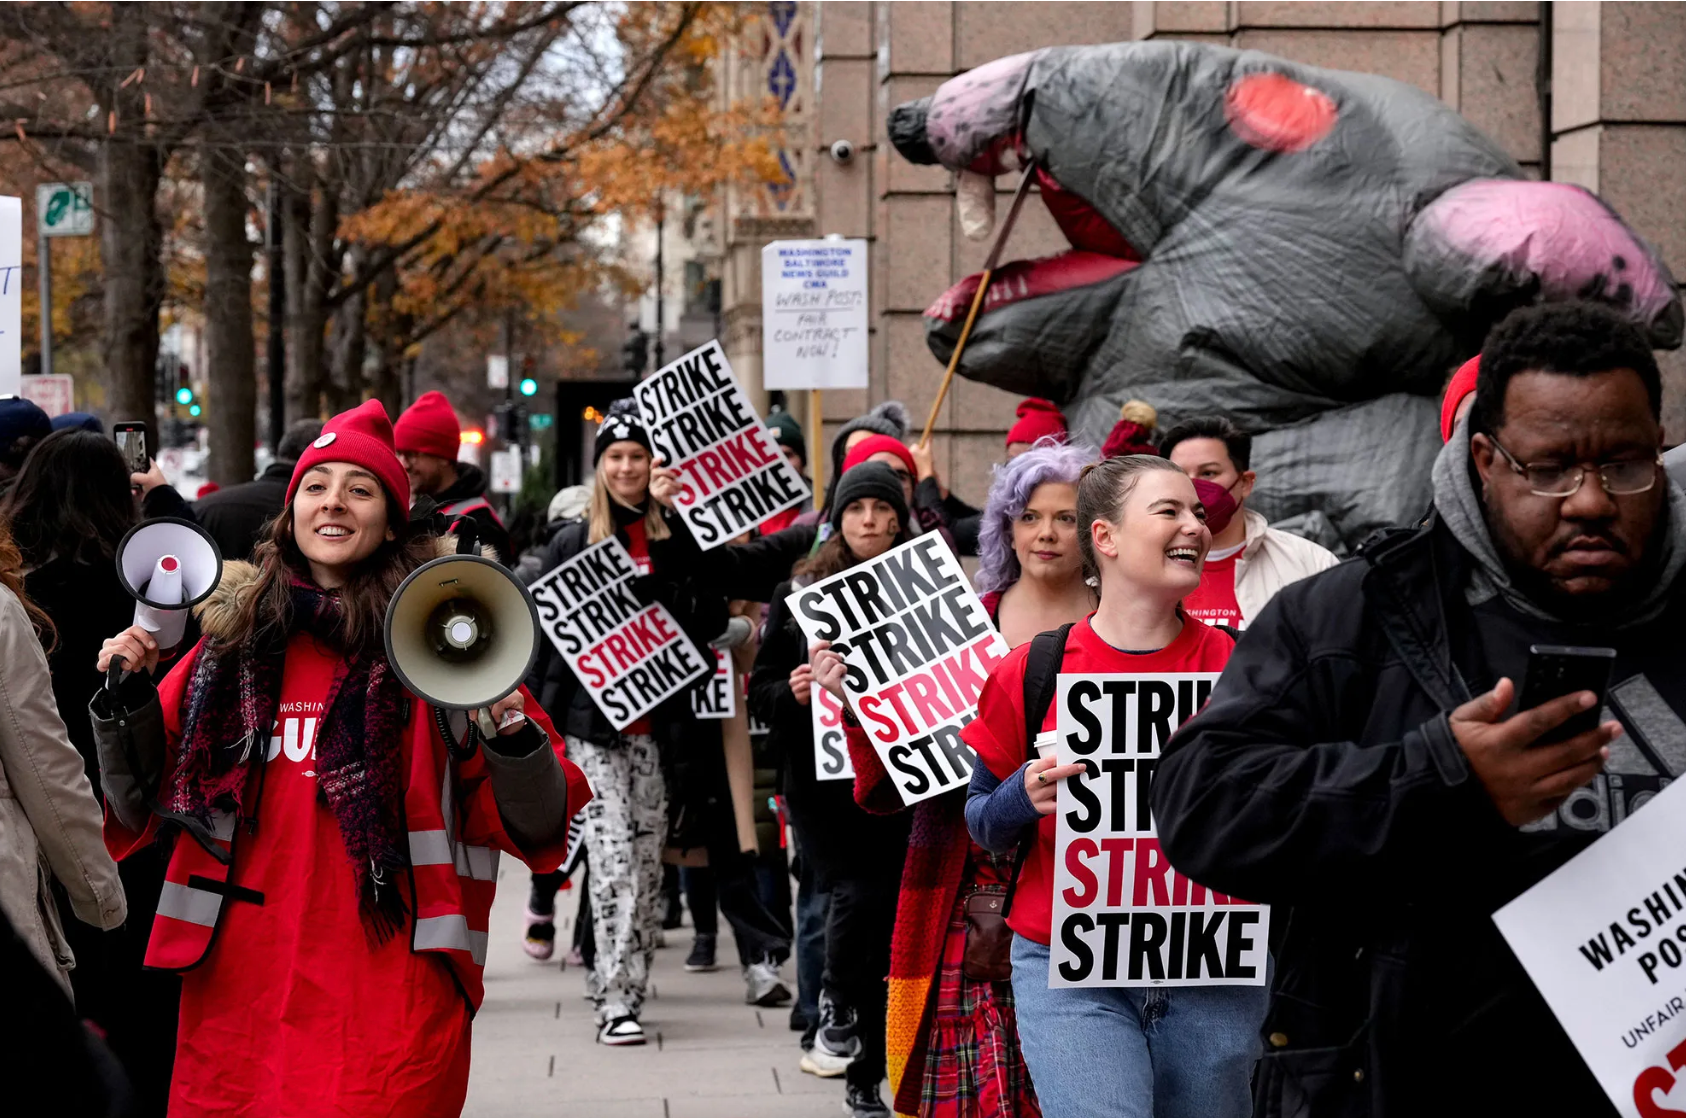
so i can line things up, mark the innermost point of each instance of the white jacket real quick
(49, 816)
(1270, 560)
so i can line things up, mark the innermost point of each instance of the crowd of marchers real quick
(252, 874)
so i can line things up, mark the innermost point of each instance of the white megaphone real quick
(167, 566)
(461, 633)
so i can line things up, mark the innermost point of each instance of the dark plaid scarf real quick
(232, 701)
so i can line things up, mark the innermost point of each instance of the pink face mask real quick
(1220, 504)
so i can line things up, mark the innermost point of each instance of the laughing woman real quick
(333, 861)
(1133, 1052)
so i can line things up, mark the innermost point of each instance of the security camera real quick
(842, 151)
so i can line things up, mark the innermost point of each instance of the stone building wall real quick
(1617, 124)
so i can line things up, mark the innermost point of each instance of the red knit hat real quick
(1462, 384)
(429, 426)
(1128, 437)
(362, 437)
(879, 444)
(1038, 418)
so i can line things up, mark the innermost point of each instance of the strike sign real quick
(831, 748)
(716, 699)
(1122, 915)
(732, 476)
(629, 656)
(1604, 939)
(918, 646)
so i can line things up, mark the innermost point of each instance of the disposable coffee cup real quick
(1046, 743)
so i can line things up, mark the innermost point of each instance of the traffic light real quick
(184, 395)
(529, 386)
(194, 411)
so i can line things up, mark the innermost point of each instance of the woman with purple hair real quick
(1031, 574)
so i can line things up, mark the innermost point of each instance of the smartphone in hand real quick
(131, 444)
(1555, 670)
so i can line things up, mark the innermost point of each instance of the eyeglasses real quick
(1620, 479)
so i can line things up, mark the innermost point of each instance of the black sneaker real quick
(863, 1102)
(701, 957)
(798, 1021)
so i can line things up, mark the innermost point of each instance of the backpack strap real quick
(1234, 634)
(1041, 683)
(1042, 680)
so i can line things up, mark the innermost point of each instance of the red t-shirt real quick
(1214, 600)
(997, 733)
(292, 1012)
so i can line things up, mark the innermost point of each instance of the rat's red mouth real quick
(1098, 253)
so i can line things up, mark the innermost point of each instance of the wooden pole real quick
(978, 298)
(816, 446)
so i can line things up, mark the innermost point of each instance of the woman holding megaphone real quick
(333, 858)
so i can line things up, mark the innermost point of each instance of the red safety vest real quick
(455, 837)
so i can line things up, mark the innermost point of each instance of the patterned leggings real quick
(625, 826)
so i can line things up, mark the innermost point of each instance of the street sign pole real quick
(44, 265)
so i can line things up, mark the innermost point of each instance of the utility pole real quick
(44, 265)
(661, 350)
(277, 349)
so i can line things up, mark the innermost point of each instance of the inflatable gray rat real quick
(1307, 251)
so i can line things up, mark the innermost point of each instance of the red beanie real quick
(1462, 384)
(429, 426)
(362, 437)
(1038, 418)
(878, 444)
(1127, 437)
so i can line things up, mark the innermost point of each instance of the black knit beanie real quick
(869, 479)
(621, 424)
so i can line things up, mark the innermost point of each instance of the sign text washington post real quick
(1122, 916)
(701, 424)
(918, 646)
(629, 656)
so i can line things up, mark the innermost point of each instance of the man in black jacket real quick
(428, 436)
(1361, 765)
(237, 516)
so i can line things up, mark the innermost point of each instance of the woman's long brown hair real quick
(266, 606)
(11, 577)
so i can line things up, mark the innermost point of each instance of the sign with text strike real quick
(630, 657)
(918, 646)
(1122, 916)
(717, 698)
(1604, 939)
(732, 475)
(831, 748)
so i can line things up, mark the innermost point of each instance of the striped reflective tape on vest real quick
(186, 903)
(435, 848)
(450, 933)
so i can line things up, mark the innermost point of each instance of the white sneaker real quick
(621, 1032)
(826, 1065)
(763, 986)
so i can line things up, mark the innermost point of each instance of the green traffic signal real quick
(194, 411)
(184, 395)
(529, 386)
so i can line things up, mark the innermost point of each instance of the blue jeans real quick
(812, 906)
(1140, 1052)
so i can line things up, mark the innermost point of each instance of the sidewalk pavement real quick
(709, 1054)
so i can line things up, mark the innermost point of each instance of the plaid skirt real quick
(973, 1065)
